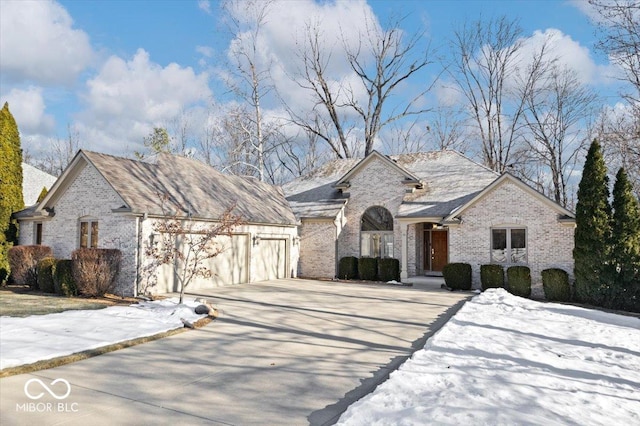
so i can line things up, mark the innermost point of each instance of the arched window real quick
(376, 233)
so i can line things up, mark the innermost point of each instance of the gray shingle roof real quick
(450, 180)
(191, 186)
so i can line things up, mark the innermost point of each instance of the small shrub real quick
(388, 269)
(348, 268)
(45, 274)
(23, 263)
(368, 268)
(63, 281)
(556, 285)
(457, 276)
(95, 271)
(519, 280)
(491, 276)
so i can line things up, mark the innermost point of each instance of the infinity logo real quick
(45, 387)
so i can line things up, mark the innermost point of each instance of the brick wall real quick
(549, 243)
(90, 196)
(375, 184)
(317, 249)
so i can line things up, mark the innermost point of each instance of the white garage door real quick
(270, 259)
(229, 267)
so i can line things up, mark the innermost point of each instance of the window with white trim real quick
(509, 245)
(376, 233)
(88, 234)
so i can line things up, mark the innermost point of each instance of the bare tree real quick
(250, 77)
(557, 109)
(487, 56)
(619, 22)
(187, 244)
(59, 154)
(382, 61)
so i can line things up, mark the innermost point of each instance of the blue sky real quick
(112, 70)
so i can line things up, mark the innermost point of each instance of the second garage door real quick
(269, 260)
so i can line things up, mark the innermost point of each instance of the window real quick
(89, 234)
(37, 234)
(376, 233)
(509, 245)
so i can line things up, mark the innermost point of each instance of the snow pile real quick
(39, 337)
(507, 360)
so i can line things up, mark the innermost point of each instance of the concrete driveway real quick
(287, 352)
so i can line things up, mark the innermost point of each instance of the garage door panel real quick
(269, 260)
(229, 267)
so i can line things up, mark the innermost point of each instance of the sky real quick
(110, 71)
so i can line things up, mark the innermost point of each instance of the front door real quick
(436, 255)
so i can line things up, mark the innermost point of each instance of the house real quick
(110, 202)
(426, 209)
(33, 180)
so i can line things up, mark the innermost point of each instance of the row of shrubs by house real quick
(457, 276)
(90, 272)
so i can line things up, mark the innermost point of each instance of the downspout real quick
(139, 221)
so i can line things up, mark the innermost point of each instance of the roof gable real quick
(409, 178)
(508, 177)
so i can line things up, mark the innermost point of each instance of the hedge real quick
(368, 268)
(457, 276)
(95, 271)
(348, 268)
(519, 280)
(45, 270)
(63, 281)
(23, 263)
(556, 285)
(388, 269)
(491, 276)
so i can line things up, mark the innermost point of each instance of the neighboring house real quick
(426, 209)
(110, 202)
(33, 180)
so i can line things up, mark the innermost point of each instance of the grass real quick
(20, 301)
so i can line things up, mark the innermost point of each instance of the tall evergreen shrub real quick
(10, 186)
(593, 230)
(625, 246)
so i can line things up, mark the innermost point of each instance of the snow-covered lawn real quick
(40, 337)
(507, 360)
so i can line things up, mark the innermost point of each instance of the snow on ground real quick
(507, 360)
(40, 337)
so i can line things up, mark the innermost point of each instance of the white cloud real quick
(127, 98)
(205, 6)
(39, 44)
(569, 53)
(283, 36)
(28, 108)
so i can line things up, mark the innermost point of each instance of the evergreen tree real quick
(625, 245)
(10, 185)
(43, 194)
(593, 230)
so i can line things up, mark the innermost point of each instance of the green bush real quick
(368, 268)
(556, 285)
(23, 263)
(95, 271)
(348, 268)
(491, 276)
(388, 269)
(45, 274)
(457, 276)
(63, 281)
(519, 280)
